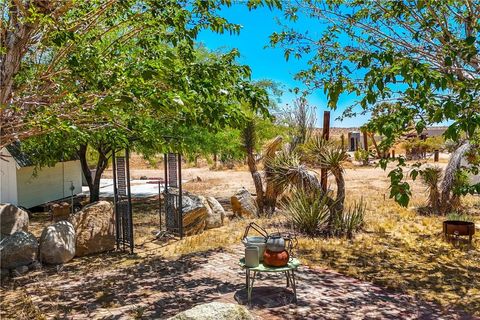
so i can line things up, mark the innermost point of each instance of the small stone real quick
(216, 214)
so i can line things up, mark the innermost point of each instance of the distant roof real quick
(23, 160)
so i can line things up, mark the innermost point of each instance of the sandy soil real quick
(222, 184)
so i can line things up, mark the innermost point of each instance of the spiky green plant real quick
(331, 157)
(308, 210)
(350, 221)
(457, 216)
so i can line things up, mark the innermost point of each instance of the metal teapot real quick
(275, 243)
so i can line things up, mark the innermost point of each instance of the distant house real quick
(354, 141)
(20, 185)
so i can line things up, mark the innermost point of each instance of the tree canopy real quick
(61, 59)
(420, 56)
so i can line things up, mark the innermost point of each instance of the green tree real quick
(421, 56)
(40, 38)
(102, 75)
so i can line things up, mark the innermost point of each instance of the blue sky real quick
(268, 63)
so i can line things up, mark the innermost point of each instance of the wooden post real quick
(436, 155)
(326, 136)
(365, 140)
(342, 137)
(393, 153)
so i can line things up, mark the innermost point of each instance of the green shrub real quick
(350, 221)
(417, 149)
(457, 216)
(309, 211)
(362, 156)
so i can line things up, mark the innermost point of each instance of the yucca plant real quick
(431, 176)
(331, 157)
(350, 221)
(286, 170)
(272, 191)
(309, 211)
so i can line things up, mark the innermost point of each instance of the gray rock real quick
(19, 249)
(243, 204)
(215, 215)
(19, 271)
(57, 243)
(215, 311)
(12, 219)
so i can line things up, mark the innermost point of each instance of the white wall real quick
(8, 178)
(50, 183)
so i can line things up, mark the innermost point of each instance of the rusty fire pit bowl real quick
(454, 228)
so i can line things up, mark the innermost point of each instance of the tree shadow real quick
(163, 287)
(423, 270)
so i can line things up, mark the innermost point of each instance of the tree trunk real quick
(270, 198)
(215, 160)
(379, 154)
(257, 180)
(102, 163)
(448, 181)
(340, 181)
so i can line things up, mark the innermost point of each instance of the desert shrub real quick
(458, 216)
(308, 211)
(417, 149)
(348, 222)
(362, 155)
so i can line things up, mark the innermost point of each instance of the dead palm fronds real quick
(448, 182)
(331, 157)
(431, 176)
(287, 170)
(272, 191)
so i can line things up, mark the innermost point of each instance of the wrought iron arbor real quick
(123, 201)
(172, 194)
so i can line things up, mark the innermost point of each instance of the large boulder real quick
(95, 228)
(19, 249)
(57, 243)
(194, 212)
(12, 219)
(243, 204)
(215, 215)
(215, 311)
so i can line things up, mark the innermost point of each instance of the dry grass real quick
(404, 251)
(398, 249)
